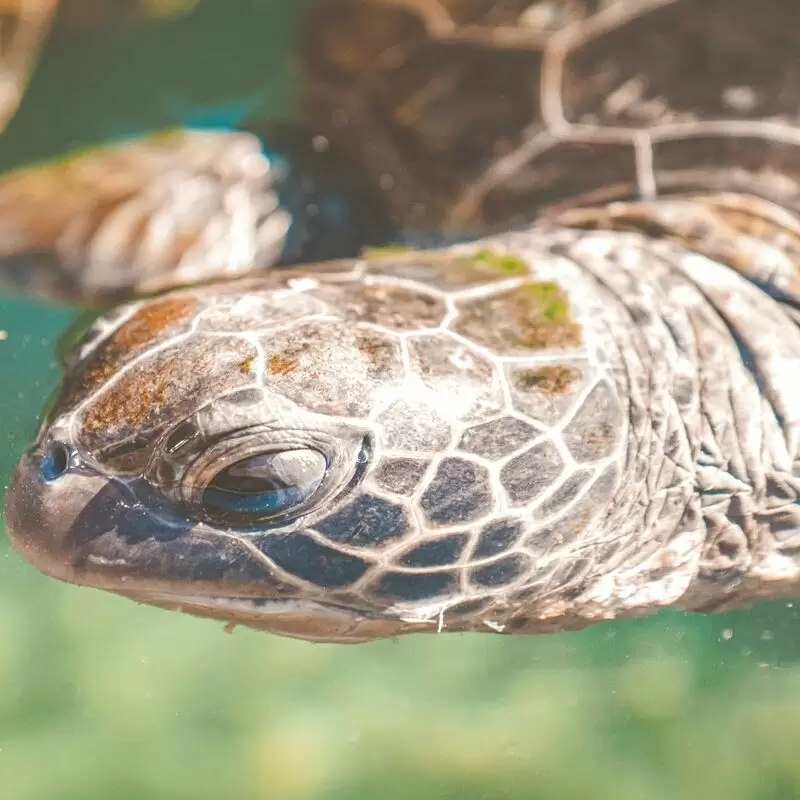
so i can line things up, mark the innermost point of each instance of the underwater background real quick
(100, 698)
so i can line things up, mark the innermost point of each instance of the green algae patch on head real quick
(486, 266)
(499, 264)
(535, 315)
(549, 297)
(447, 270)
(550, 379)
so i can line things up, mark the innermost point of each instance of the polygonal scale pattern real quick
(484, 443)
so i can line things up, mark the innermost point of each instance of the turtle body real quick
(590, 412)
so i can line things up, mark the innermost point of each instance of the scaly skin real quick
(594, 416)
(627, 466)
(140, 217)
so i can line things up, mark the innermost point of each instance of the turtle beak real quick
(81, 526)
(76, 523)
(41, 514)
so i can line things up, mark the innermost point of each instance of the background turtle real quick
(593, 414)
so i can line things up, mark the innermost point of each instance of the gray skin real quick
(595, 415)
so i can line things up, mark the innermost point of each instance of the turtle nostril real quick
(56, 462)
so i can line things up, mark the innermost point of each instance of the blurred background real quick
(100, 698)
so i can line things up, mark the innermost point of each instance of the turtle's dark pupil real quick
(263, 486)
(56, 463)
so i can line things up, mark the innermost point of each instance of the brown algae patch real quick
(375, 347)
(164, 387)
(153, 319)
(128, 406)
(552, 379)
(533, 316)
(333, 367)
(246, 365)
(281, 364)
(546, 392)
(134, 336)
(143, 330)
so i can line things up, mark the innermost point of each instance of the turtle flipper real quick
(24, 24)
(139, 217)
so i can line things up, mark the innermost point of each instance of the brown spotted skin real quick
(593, 415)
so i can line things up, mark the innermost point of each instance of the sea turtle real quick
(593, 411)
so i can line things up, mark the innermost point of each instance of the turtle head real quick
(180, 467)
(322, 456)
(212, 515)
(218, 451)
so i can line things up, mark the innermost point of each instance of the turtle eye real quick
(263, 486)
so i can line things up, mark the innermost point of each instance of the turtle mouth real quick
(306, 619)
(101, 532)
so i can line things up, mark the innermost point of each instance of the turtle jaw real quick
(101, 532)
(109, 533)
(309, 620)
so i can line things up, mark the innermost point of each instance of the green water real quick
(100, 698)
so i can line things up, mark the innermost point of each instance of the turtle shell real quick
(440, 118)
(474, 113)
